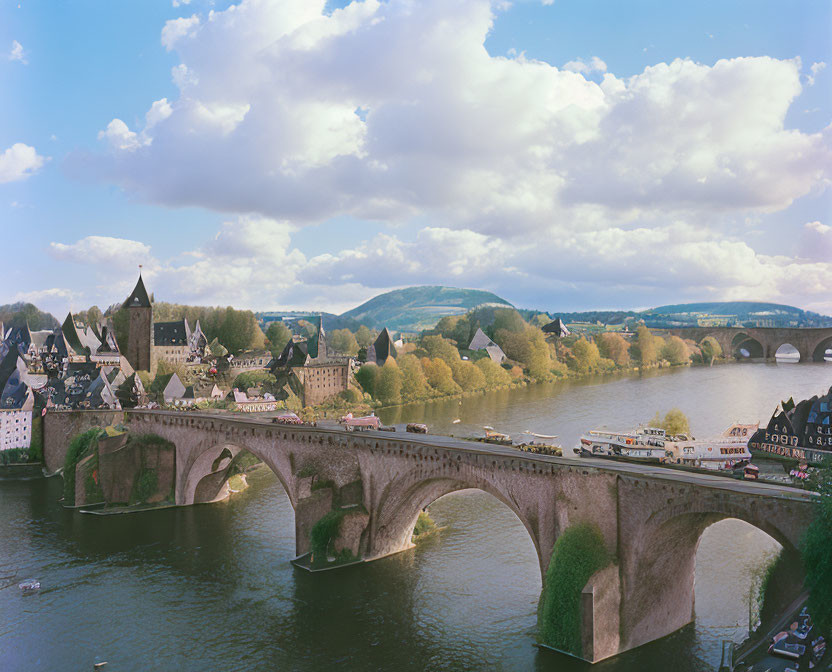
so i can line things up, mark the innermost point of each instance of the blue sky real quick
(578, 154)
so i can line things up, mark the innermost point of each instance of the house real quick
(249, 405)
(311, 371)
(383, 348)
(482, 342)
(16, 403)
(556, 328)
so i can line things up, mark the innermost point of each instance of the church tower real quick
(140, 337)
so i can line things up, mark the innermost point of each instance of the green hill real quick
(418, 308)
(738, 308)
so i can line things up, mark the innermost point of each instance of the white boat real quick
(722, 452)
(646, 444)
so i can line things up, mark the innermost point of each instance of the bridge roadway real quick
(721, 482)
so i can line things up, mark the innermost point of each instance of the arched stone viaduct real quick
(763, 342)
(651, 518)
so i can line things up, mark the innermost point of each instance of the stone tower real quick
(140, 338)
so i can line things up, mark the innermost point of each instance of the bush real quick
(388, 385)
(80, 446)
(144, 486)
(495, 375)
(367, 376)
(424, 524)
(321, 536)
(816, 549)
(674, 422)
(579, 552)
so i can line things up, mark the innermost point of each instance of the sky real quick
(304, 154)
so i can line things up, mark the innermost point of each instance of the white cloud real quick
(159, 111)
(815, 68)
(176, 29)
(17, 53)
(816, 242)
(595, 64)
(177, 3)
(119, 136)
(19, 162)
(113, 253)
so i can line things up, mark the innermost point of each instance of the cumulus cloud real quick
(19, 162)
(103, 251)
(814, 69)
(17, 53)
(502, 172)
(816, 242)
(595, 64)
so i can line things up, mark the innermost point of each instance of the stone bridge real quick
(651, 518)
(762, 343)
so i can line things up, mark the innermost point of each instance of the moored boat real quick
(724, 452)
(646, 444)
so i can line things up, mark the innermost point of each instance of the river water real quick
(211, 588)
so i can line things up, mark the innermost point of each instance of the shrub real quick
(80, 446)
(579, 552)
(321, 536)
(674, 422)
(816, 549)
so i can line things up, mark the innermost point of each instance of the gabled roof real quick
(72, 337)
(382, 349)
(171, 333)
(557, 328)
(138, 297)
(480, 341)
(174, 388)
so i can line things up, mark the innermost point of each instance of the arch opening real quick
(823, 351)
(787, 354)
(744, 346)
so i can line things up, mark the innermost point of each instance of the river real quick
(211, 588)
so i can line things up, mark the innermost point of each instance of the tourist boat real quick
(646, 444)
(724, 452)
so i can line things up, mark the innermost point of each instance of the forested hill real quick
(418, 308)
(21, 314)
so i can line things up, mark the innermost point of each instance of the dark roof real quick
(382, 348)
(138, 298)
(170, 333)
(294, 354)
(73, 338)
(556, 327)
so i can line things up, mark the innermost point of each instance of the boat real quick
(417, 428)
(495, 437)
(29, 586)
(541, 444)
(724, 452)
(784, 649)
(646, 444)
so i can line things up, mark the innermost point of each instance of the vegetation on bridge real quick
(321, 538)
(578, 554)
(817, 557)
(80, 446)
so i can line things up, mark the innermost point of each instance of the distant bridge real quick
(651, 518)
(762, 343)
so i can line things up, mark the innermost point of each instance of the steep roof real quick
(171, 333)
(138, 297)
(480, 341)
(382, 348)
(73, 338)
(557, 328)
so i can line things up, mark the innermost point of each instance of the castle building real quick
(315, 374)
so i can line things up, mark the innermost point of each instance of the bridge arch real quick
(658, 578)
(744, 346)
(823, 351)
(403, 499)
(786, 352)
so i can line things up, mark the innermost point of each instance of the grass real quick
(579, 552)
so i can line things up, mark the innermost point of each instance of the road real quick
(448, 442)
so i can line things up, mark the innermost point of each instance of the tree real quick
(675, 351)
(508, 319)
(585, 356)
(674, 422)
(495, 375)
(615, 347)
(467, 376)
(238, 330)
(364, 337)
(816, 550)
(278, 335)
(647, 351)
(259, 379)
(343, 341)
(388, 387)
(436, 346)
(414, 382)
(367, 376)
(439, 375)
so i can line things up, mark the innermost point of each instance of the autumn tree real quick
(674, 422)
(439, 376)
(675, 351)
(615, 347)
(364, 337)
(495, 375)
(442, 348)
(647, 352)
(711, 349)
(467, 376)
(414, 383)
(388, 384)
